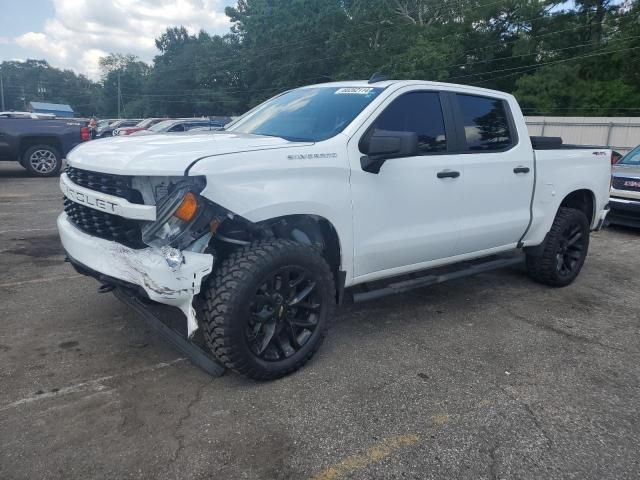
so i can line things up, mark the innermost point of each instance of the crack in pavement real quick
(493, 473)
(180, 437)
(572, 337)
(532, 414)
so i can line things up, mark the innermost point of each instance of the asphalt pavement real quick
(489, 377)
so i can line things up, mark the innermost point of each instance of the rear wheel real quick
(564, 250)
(268, 308)
(42, 160)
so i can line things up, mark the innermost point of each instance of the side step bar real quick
(433, 276)
(160, 318)
(169, 322)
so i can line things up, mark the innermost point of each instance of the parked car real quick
(105, 122)
(40, 145)
(321, 192)
(143, 125)
(109, 129)
(625, 190)
(176, 125)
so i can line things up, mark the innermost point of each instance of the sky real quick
(74, 34)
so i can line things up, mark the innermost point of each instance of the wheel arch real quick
(310, 230)
(313, 230)
(31, 141)
(582, 199)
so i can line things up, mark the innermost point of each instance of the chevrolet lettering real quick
(89, 200)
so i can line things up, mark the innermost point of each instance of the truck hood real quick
(165, 154)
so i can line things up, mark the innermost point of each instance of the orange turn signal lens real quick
(188, 208)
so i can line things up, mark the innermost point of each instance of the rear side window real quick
(485, 123)
(189, 126)
(418, 112)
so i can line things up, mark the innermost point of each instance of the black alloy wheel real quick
(571, 249)
(267, 308)
(284, 314)
(559, 260)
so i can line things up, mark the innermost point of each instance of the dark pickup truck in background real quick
(40, 145)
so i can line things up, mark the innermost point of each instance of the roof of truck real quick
(388, 83)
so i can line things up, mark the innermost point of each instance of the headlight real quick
(181, 217)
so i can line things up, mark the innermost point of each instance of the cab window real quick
(485, 123)
(419, 112)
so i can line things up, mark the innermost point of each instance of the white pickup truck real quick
(321, 189)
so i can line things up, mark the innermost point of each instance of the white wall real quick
(620, 133)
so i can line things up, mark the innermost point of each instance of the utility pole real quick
(1, 93)
(119, 100)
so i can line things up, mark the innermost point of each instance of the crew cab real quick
(39, 144)
(256, 232)
(625, 190)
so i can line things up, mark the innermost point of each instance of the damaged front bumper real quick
(146, 268)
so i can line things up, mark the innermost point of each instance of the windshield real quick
(307, 114)
(161, 126)
(631, 158)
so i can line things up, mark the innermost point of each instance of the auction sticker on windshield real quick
(353, 90)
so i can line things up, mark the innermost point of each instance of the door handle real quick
(448, 174)
(521, 170)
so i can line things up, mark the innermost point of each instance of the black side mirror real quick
(382, 145)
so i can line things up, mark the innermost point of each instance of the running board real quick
(166, 321)
(434, 276)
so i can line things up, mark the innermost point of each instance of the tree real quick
(132, 74)
(36, 80)
(584, 58)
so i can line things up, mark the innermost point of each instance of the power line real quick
(232, 59)
(608, 52)
(190, 94)
(290, 64)
(540, 65)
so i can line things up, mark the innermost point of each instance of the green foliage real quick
(133, 75)
(580, 61)
(36, 80)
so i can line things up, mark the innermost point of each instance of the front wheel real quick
(268, 307)
(42, 160)
(564, 250)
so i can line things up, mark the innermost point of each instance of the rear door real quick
(499, 173)
(407, 214)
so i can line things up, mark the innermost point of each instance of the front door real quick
(407, 214)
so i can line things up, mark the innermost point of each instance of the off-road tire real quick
(545, 268)
(232, 288)
(48, 153)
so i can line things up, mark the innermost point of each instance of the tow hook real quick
(106, 288)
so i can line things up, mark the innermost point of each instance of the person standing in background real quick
(93, 127)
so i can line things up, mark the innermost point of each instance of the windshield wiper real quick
(287, 138)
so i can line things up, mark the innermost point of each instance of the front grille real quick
(104, 225)
(633, 184)
(116, 185)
